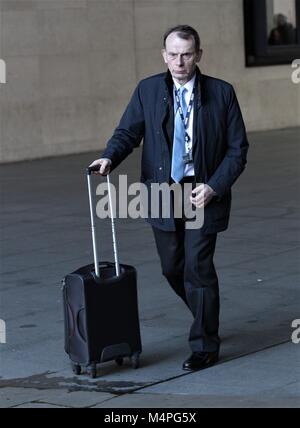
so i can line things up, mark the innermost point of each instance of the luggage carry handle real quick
(93, 226)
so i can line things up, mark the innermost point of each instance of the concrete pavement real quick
(45, 233)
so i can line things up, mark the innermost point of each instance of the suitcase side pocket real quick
(69, 319)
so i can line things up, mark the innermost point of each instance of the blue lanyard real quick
(188, 113)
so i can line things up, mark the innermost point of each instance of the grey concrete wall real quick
(72, 65)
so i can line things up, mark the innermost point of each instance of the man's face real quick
(181, 57)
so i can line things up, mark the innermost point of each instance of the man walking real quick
(193, 132)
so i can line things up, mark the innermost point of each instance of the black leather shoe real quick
(201, 360)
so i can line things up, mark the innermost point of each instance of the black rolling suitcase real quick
(101, 309)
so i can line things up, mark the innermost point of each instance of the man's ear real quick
(199, 55)
(164, 54)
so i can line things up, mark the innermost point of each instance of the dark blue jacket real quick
(219, 146)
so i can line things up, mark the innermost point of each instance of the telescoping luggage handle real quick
(93, 227)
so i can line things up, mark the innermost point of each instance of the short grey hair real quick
(184, 32)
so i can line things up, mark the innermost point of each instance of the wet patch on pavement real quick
(48, 380)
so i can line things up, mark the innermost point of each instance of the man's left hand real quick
(202, 195)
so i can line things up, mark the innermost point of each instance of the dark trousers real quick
(187, 263)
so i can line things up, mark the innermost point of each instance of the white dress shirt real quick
(189, 168)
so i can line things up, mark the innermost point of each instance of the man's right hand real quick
(105, 165)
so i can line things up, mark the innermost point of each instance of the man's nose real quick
(179, 60)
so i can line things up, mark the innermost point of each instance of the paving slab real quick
(178, 401)
(272, 373)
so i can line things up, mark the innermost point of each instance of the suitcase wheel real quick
(92, 371)
(76, 369)
(119, 361)
(135, 360)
